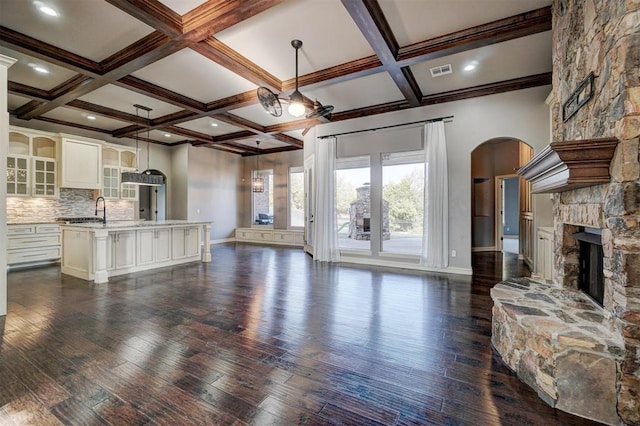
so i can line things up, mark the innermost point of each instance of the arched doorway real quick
(153, 199)
(493, 172)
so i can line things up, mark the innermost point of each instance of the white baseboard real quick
(222, 241)
(403, 265)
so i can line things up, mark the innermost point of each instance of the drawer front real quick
(22, 256)
(298, 237)
(245, 235)
(34, 241)
(264, 236)
(283, 237)
(21, 229)
(48, 228)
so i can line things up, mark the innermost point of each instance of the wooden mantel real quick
(566, 165)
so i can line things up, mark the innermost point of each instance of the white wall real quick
(178, 183)
(214, 182)
(521, 114)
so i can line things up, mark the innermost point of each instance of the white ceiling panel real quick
(265, 143)
(24, 71)
(76, 116)
(419, 20)
(504, 61)
(15, 101)
(204, 125)
(329, 37)
(205, 81)
(257, 114)
(357, 93)
(163, 136)
(122, 99)
(89, 28)
(182, 6)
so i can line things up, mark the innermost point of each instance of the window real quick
(403, 205)
(353, 203)
(263, 201)
(296, 197)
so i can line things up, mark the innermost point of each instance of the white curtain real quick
(325, 237)
(435, 238)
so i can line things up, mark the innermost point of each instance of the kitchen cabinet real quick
(80, 163)
(123, 250)
(116, 160)
(271, 236)
(31, 163)
(96, 252)
(154, 245)
(185, 242)
(28, 245)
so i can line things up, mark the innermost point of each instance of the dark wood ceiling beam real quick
(290, 140)
(218, 52)
(71, 84)
(149, 89)
(153, 13)
(372, 23)
(157, 123)
(234, 136)
(73, 125)
(106, 112)
(48, 52)
(240, 122)
(337, 74)
(232, 102)
(145, 51)
(521, 25)
(32, 93)
(536, 80)
(293, 125)
(191, 134)
(217, 15)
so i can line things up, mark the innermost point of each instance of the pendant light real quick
(137, 178)
(257, 183)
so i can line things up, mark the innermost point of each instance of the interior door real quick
(309, 204)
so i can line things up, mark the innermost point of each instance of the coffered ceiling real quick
(198, 63)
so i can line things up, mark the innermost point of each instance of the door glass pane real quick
(296, 197)
(22, 175)
(11, 162)
(50, 178)
(50, 166)
(22, 163)
(403, 205)
(353, 203)
(263, 201)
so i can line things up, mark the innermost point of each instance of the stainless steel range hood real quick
(143, 179)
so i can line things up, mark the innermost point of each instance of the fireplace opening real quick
(591, 276)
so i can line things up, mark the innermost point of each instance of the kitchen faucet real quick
(104, 209)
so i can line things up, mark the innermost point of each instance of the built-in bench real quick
(559, 342)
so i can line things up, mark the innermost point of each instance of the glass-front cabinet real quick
(116, 160)
(32, 163)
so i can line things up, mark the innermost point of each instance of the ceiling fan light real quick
(296, 109)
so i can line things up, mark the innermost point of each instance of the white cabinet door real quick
(154, 245)
(124, 255)
(163, 245)
(81, 164)
(44, 177)
(185, 242)
(17, 175)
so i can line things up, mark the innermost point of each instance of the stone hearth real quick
(559, 343)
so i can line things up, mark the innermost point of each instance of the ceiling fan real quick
(298, 104)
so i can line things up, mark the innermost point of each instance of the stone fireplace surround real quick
(603, 37)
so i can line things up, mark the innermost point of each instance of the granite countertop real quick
(123, 224)
(33, 222)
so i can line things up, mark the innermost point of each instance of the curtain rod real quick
(447, 119)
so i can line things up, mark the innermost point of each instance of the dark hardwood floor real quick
(263, 335)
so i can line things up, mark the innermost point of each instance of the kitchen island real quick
(97, 251)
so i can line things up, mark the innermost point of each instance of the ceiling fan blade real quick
(269, 101)
(320, 111)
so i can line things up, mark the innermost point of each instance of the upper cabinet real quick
(32, 163)
(81, 163)
(116, 160)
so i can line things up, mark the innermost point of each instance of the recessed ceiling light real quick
(167, 135)
(46, 9)
(91, 117)
(470, 66)
(214, 124)
(39, 68)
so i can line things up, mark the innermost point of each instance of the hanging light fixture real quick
(146, 178)
(257, 183)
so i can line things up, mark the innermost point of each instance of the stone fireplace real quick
(578, 356)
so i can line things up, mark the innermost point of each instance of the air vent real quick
(441, 70)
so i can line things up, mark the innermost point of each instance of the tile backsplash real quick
(72, 202)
